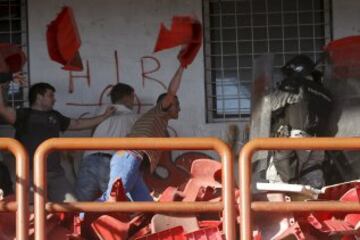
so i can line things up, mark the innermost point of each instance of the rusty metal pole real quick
(245, 192)
(228, 193)
(135, 144)
(283, 144)
(22, 185)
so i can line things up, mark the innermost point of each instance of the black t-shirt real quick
(33, 127)
(5, 77)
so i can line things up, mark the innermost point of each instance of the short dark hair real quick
(160, 97)
(38, 88)
(119, 91)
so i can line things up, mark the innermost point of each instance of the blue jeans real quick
(126, 166)
(93, 176)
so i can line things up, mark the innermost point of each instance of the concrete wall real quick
(346, 18)
(131, 28)
(346, 22)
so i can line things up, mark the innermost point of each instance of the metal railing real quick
(21, 206)
(57, 144)
(246, 206)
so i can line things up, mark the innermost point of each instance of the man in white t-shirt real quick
(94, 169)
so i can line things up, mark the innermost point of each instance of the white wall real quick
(346, 18)
(346, 22)
(130, 27)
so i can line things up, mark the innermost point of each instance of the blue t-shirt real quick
(33, 127)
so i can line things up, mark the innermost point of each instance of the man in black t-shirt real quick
(40, 122)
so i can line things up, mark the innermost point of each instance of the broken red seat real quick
(206, 169)
(173, 175)
(334, 192)
(117, 194)
(332, 226)
(212, 233)
(161, 222)
(63, 40)
(210, 224)
(181, 32)
(344, 57)
(140, 225)
(296, 232)
(110, 228)
(187, 55)
(185, 160)
(175, 233)
(353, 195)
(171, 194)
(203, 185)
(12, 58)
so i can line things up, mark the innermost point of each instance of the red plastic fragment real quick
(185, 160)
(186, 31)
(205, 234)
(180, 33)
(176, 233)
(175, 176)
(110, 228)
(343, 54)
(63, 40)
(12, 58)
(187, 55)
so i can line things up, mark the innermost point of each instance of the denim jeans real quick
(93, 177)
(126, 166)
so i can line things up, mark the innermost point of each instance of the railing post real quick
(21, 185)
(246, 154)
(135, 144)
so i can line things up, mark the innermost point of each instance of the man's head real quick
(174, 109)
(42, 95)
(299, 66)
(124, 94)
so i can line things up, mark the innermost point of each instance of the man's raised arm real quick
(172, 88)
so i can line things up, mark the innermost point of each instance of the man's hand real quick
(19, 78)
(109, 111)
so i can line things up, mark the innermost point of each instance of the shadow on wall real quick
(345, 118)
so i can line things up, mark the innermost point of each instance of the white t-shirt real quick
(117, 125)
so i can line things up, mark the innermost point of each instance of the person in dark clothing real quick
(5, 180)
(6, 184)
(40, 122)
(300, 108)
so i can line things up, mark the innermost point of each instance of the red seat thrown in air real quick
(180, 33)
(12, 58)
(187, 55)
(344, 57)
(185, 30)
(63, 41)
